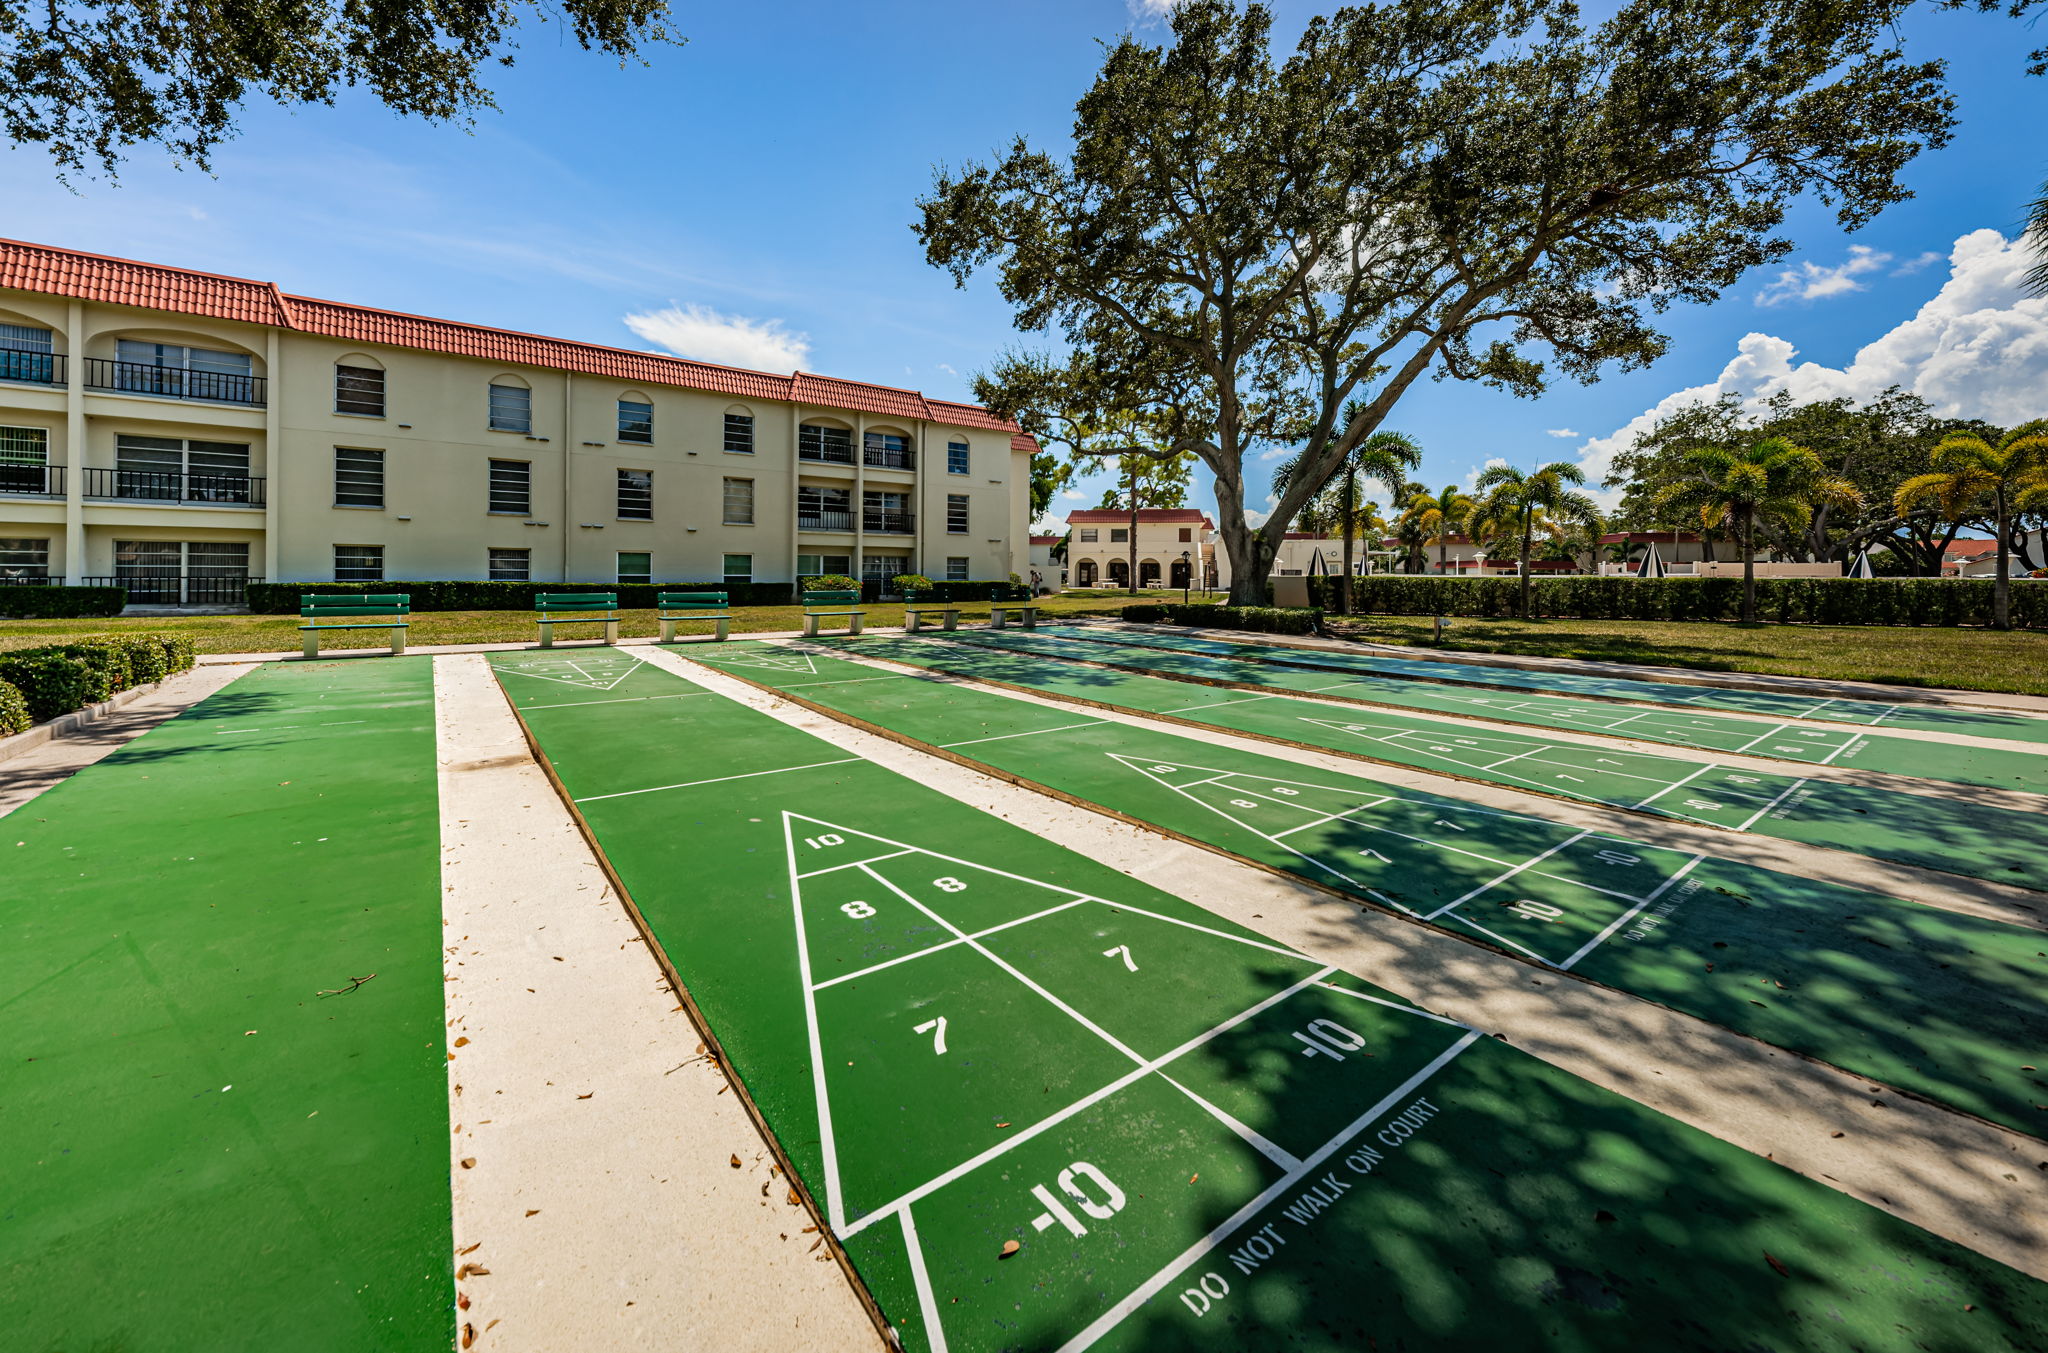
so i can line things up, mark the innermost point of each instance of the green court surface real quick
(969, 1041)
(1937, 1003)
(1936, 833)
(1998, 768)
(197, 1151)
(1913, 716)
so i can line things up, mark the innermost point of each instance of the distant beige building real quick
(1176, 548)
(181, 433)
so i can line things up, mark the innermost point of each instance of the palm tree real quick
(1439, 516)
(1967, 473)
(1384, 456)
(1520, 502)
(1772, 480)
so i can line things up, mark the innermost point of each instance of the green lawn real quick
(1964, 659)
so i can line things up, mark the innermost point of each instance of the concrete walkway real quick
(32, 762)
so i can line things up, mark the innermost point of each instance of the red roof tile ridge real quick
(61, 251)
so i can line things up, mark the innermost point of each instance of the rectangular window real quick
(359, 563)
(956, 568)
(511, 408)
(635, 566)
(172, 469)
(739, 433)
(826, 444)
(359, 390)
(1087, 535)
(816, 565)
(358, 477)
(511, 486)
(880, 568)
(956, 514)
(822, 509)
(1119, 535)
(636, 421)
(888, 451)
(511, 566)
(739, 568)
(24, 446)
(739, 502)
(26, 354)
(216, 559)
(636, 495)
(185, 373)
(886, 512)
(24, 558)
(1187, 534)
(956, 457)
(25, 338)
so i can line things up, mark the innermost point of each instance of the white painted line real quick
(1750, 821)
(1770, 732)
(948, 944)
(1517, 757)
(1065, 727)
(1086, 1102)
(835, 1210)
(1630, 914)
(846, 681)
(1854, 740)
(1271, 1150)
(934, 1332)
(1330, 817)
(1498, 938)
(719, 779)
(1496, 882)
(1152, 1286)
(1213, 704)
(618, 700)
(1391, 1005)
(855, 864)
(1676, 783)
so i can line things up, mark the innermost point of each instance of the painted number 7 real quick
(938, 1038)
(1125, 950)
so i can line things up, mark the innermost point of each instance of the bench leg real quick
(611, 631)
(724, 626)
(996, 620)
(854, 628)
(668, 631)
(910, 622)
(810, 627)
(547, 635)
(1030, 620)
(952, 621)
(398, 641)
(311, 646)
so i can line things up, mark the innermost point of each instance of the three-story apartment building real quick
(181, 433)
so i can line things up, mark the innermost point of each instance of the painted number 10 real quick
(1108, 1205)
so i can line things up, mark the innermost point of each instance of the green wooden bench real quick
(828, 605)
(914, 613)
(669, 607)
(335, 611)
(550, 608)
(999, 613)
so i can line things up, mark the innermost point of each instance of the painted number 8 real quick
(859, 911)
(949, 885)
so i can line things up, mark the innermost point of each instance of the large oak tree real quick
(1483, 190)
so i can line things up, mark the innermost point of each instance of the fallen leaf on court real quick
(1710, 967)
(1002, 1125)
(1193, 1177)
(586, 1096)
(1010, 1247)
(793, 1199)
(1834, 1134)
(471, 1271)
(468, 1334)
(735, 1162)
(471, 1249)
(1772, 1259)
(462, 1302)
(462, 1042)
(469, 1162)
(247, 1032)
(533, 1212)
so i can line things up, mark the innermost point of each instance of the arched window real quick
(636, 417)
(1148, 573)
(359, 386)
(511, 405)
(1120, 572)
(739, 430)
(1084, 573)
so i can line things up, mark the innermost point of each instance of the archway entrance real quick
(1179, 574)
(1120, 572)
(1084, 573)
(1148, 573)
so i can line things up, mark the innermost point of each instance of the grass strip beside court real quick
(1958, 837)
(969, 1041)
(1940, 1004)
(1992, 767)
(202, 1151)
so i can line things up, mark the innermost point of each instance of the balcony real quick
(32, 368)
(824, 519)
(170, 486)
(32, 481)
(174, 589)
(173, 382)
(889, 458)
(828, 455)
(883, 522)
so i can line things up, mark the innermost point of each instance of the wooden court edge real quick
(705, 1031)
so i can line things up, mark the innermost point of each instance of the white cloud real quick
(1811, 282)
(1152, 11)
(947, 369)
(1472, 475)
(699, 332)
(1255, 518)
(1073, 496)
(1559, 432)
(1916, 263)
(1977, 349)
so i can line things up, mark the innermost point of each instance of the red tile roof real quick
(1045, 540)
(1650, 538)
(1152, 515)
(153, 286)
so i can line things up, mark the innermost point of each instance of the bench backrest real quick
(813, 599)
(576, 601)
(691, 601)
(315, 604)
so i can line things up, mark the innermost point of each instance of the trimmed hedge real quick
(53, 681)
(283, 598)
(14, 715)
(1816, 601)
(980, 589)
(1257, 619)
(61, 603)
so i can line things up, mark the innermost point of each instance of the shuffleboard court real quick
(1998, 768)
(969, 1042)
(1980, 840)
(1941, 1004)
(200, 1152)
(1912, 715)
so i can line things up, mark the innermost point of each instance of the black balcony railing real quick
(824, 520)
(139, 378)
(889, 458)
(170, 486)
(831, 455)
(37, 368)
(32, 481)
(887, 523)
(151, 588)
(23, 578)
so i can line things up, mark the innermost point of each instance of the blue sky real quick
(747, 198)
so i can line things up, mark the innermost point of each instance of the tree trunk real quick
(1134, 527)
(2001, 584)
(1748, 573)
(1349, 524)
(1527, 535)
(1250, 555)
